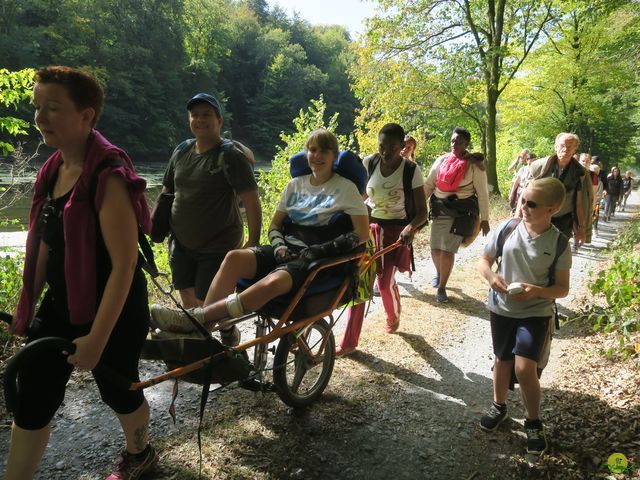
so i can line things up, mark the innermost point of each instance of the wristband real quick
(276, 239)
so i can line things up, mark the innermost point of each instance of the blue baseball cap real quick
(205, 98)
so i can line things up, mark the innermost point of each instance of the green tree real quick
(494, 36)
(570, 85)
(273, 183)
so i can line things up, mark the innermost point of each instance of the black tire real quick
(52, 344)
(299, 378)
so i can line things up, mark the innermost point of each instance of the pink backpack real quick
(451, 173)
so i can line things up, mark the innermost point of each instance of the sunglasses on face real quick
(530, 203)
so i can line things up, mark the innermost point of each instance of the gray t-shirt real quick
(525, 258)
(205, 216)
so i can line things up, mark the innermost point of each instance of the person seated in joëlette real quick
(310, 201)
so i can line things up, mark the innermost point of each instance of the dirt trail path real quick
(403, 406)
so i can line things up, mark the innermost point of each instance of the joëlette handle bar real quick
(44, 345)
(366, 263)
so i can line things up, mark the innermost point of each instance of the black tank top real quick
(52, 229)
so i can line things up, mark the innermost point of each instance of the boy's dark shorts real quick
(266, 263)
(523, 337)
(190, 269)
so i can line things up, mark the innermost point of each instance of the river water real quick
(152, 172)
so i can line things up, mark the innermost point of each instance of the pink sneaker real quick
(133, 467)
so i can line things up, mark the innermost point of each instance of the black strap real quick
(407, 180)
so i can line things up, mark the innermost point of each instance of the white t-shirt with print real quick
(386, 194)
(312, 205)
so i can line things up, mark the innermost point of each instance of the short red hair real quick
(84, 89)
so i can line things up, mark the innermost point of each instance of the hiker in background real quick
(613, 189)
(595, 160)
(208, 176)
(575, 216)
(391, 179)
(585, 160)
(310, 201)
(627, 185)
(533, 272)
(409, 150)
(520, 159)
(459, 200)
(520, 180)
(84, 247)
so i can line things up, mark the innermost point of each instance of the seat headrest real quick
(347, 165)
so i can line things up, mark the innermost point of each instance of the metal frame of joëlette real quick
(280, 328)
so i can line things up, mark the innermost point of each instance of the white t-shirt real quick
(313, 205)
(523, 173)
(386, 194)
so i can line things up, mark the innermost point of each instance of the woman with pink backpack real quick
(458, 193)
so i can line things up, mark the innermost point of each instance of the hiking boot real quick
(230, 337)
(133, 466)
(536, 438)
(493, 417)
(435, 282)
(441, 296)
(173, 320)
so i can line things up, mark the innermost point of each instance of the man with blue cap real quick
(208, 175)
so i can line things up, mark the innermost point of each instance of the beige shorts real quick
(441, 238)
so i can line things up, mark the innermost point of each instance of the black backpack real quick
(223, 160)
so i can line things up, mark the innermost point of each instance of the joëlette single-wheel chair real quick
(296, 328)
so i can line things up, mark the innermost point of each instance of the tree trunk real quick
(492, 175)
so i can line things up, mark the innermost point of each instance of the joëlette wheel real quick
(303, 365)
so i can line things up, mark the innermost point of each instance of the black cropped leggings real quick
(42, 381)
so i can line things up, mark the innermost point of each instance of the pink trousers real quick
(386, 281)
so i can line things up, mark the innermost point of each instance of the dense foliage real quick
(152, 55)
(272, 183)
(515, 72)
(619, 287)
(15, 88)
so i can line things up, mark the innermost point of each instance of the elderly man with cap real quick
(208, 175)
(575, 216)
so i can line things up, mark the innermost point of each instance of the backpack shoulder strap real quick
(223, 157)
(561, 246)
(504, 234)
(407, 180)
(374, 160)
(179, 151)
(184, 146)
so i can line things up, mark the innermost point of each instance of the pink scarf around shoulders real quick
(80, 223)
